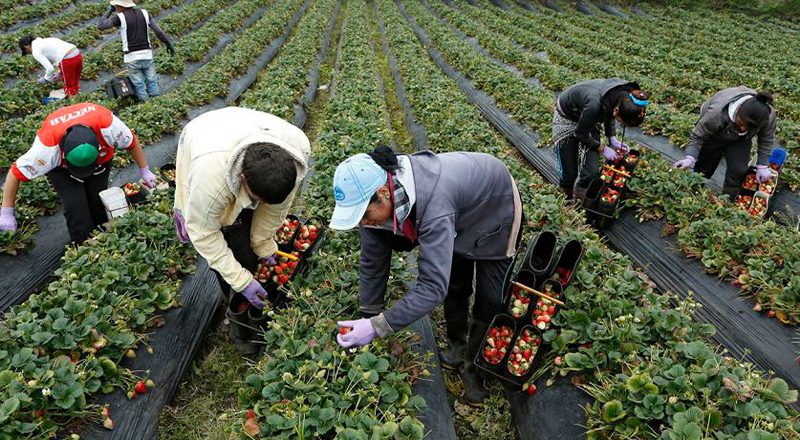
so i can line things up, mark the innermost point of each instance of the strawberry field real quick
(679, 322)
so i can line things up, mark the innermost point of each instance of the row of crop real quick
(18, 66)
(27, 95)
(751, 254)
(159, 116)
(307, 386)
(67, 342)
(81, 12)
(649, 367)
(24, 12)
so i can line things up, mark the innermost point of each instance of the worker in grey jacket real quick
(729, 121)
(464, 212)
(138, 54)
(580, 111)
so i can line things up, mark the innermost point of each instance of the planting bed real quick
(622, 358)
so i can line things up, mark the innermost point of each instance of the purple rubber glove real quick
(617, 145)
(762, 174)
(610, 154)
(361, 333)
(148, 178)
(254, 292)
(271, 260)
(42, 80)
(180, 225)
(56, 77)
(687, 163)
(7, 220)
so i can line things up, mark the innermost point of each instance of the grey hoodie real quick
(715, 124)
(466, 204)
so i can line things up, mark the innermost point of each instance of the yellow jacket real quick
(208, 165)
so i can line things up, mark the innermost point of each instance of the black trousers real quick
(486, 276)
(737, 156)
(576, 162)
(81, 202)
(237, 236)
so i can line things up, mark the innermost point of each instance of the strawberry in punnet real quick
(631, 158)
(131, 189)
(607, 176)
(286, 231)
(562, 275)
(520, 302)
(759, 207)
(767, 187)
(525, 349)
(619, 180)
(497, 343)
(545, 309)
(750, 182)
(744, 201)
(610, 196)
(140, 387)
(307, 236)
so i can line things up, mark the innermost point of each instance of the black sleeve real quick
(590, 116)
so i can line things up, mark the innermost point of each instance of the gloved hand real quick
(180, 225)
(610, 154)
(56, 77)
(7, 220)
(762, 174)
(148, 177)
(617, 145)
(271, 260)
(361, 333)
(687, 163)
(254, 292)
(42, 80)
(170, 49)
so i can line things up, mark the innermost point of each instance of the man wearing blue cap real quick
(74, 148)
(464, 212)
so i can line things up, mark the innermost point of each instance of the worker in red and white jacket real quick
(52, 53)
(74, 148)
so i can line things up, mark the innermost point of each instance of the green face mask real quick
(82, 156)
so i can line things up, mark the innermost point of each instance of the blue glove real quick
(361, 333)
(687, 163)
(610, 154)
(762, 174)
(254, 292)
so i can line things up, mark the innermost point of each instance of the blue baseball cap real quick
(354, 182)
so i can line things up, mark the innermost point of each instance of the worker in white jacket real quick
(60, 59)
(237, 171)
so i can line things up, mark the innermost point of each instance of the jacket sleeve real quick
(703, 130)
(266, 220)
(50, 71)
(202, 212)
(108, 22)
(159, 33)
(610, 128)
(436, 241)
(374, 265)
(766, 140)
(590, 115)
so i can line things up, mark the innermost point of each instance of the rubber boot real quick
(567, 192)
(475, 391)
(452, 357)
(579, 194)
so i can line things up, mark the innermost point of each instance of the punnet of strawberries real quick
(279, 273)
(767, 187)
(497, 343)
(607, 175)
(525, 349)
(759, 206)
(744, 201)
(545, 310)
(519, 302)
(285, 233)
(610, 196)
(619, 180)
(750, 182)
(307, 236)
(631, 158)
(131, 189)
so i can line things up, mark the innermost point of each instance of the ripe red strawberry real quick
(344, 330)
(250, 414)
(771, 314)
(283, 279)
(140, 387)
(39, 413)
(531, 389)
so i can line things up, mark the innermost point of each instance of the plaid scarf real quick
(402, 205)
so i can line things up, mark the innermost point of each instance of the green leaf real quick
(613, 411)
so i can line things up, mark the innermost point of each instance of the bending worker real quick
(74, 148)
(729, 121)
(580, 110)
(237, 172)
(50, 52)
(464, 212)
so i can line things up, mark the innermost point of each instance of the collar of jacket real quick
(426, 167)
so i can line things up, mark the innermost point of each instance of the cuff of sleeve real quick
(18, 174)
(381, 326)
(242, 280)
(265, 248)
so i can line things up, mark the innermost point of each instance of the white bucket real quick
(115, 202)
